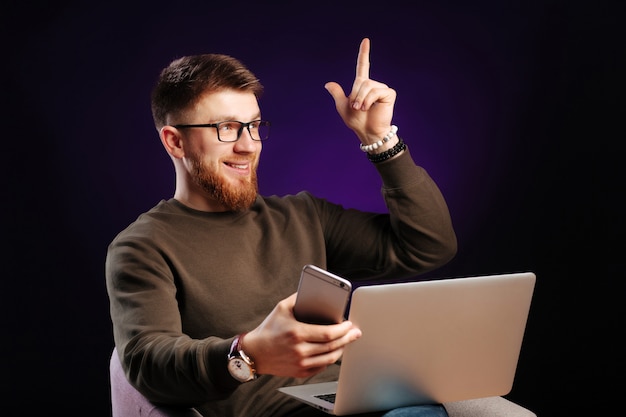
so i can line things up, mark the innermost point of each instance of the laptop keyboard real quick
(327, 397)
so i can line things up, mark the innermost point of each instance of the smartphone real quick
(322, 296)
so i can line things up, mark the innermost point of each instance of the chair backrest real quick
(126, 401)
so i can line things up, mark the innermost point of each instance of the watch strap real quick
(239, 348)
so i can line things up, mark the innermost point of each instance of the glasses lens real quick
(260, 129)
(228, 131)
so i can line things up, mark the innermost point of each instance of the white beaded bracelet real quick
(376, 145)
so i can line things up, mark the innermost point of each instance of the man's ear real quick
(172, 141)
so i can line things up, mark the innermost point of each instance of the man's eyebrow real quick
(234, 118)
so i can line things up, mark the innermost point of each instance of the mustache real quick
(239, 160)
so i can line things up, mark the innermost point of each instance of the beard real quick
(237, 196)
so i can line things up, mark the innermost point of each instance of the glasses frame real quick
(239, 132)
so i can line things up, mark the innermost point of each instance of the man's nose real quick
(245, 142)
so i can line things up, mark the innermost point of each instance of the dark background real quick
(515, 108)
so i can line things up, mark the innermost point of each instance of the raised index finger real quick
(363, 60)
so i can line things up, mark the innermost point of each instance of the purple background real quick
(510, 107)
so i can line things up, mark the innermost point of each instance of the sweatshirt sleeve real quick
(154, 351)
(414, 237)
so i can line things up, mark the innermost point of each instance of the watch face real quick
(239, 369)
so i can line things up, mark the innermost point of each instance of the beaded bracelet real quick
(376, 145)
(383, 156)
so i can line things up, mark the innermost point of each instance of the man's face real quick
(224, 171)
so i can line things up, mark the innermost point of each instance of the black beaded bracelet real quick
(383, 156)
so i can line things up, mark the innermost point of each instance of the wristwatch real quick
(240, 366)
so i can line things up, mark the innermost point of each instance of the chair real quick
(126, 401)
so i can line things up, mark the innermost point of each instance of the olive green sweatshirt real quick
(182, 283)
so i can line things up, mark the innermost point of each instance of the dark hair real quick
(185, 80)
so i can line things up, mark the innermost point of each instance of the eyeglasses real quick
(230, 131)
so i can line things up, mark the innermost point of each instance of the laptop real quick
(424, 342)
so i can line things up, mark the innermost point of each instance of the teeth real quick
(239, 166)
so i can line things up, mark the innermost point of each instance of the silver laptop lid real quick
(434, 341)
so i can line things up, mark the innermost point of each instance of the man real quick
(202, 286)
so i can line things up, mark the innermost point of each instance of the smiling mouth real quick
(244, 166)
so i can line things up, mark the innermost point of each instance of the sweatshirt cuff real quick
(400, 171)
